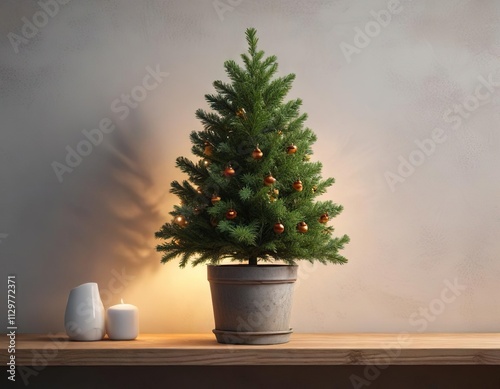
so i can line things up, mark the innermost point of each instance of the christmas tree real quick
(251, 196)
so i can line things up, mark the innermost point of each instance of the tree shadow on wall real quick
(111, 209)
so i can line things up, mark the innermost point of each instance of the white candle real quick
(122, 322)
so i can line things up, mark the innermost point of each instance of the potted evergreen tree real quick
(251, 199)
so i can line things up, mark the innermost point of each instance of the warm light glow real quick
(190, 314)
(122, 301)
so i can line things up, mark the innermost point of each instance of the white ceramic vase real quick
(84, 319)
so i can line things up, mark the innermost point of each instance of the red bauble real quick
(215, 199)
(297, 185)
(208, 149)
(278, 228)
(302, 227)
(257, 153)
(180, 220)
(231, 214)
(229, 171)
(269, 180)
(292, 149)
(324, 218)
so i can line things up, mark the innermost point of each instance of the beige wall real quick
(414, 232)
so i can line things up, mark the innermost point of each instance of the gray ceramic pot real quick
(252, 304)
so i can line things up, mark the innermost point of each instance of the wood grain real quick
(303, 349)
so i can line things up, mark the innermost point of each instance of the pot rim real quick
(252, 274)
(253, 266)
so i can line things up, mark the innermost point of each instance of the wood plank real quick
(303, 349)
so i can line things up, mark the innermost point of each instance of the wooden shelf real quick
(303, 349)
